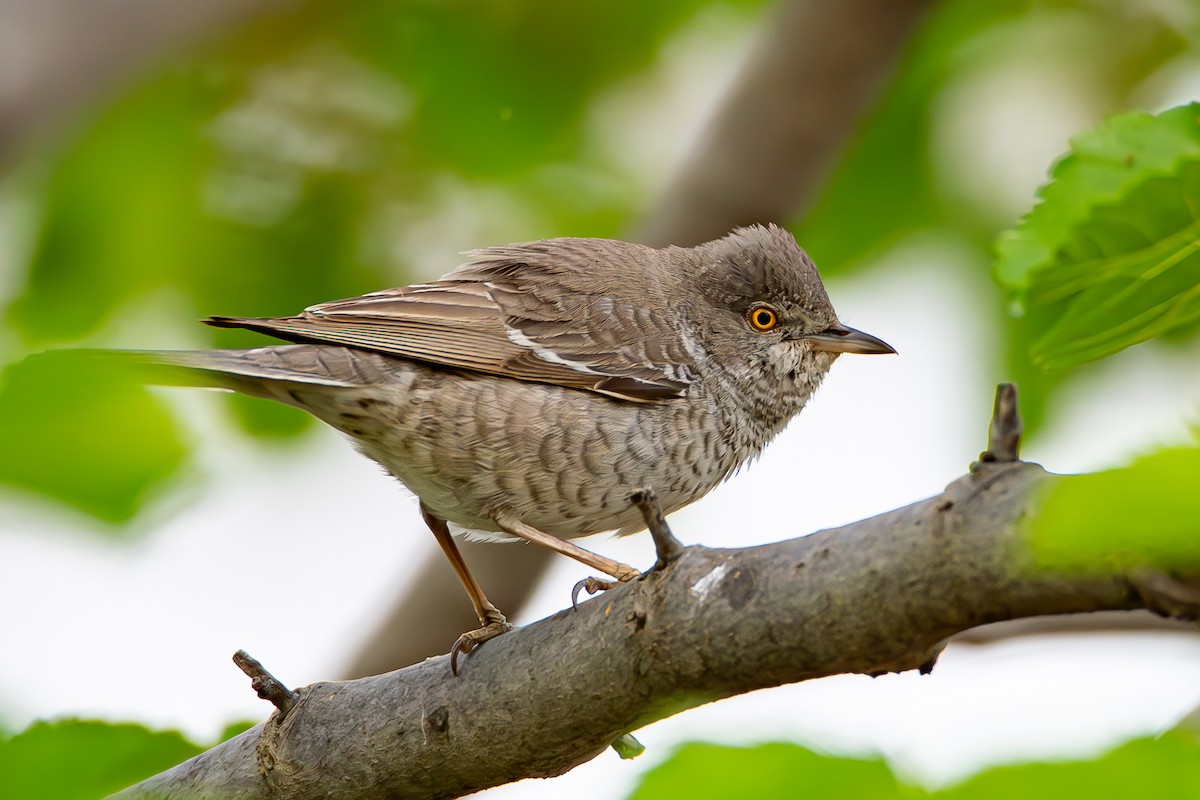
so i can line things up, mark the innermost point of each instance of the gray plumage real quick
(547, 381)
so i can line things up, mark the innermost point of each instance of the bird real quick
(531, 391)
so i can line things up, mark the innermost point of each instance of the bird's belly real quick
(561, 460)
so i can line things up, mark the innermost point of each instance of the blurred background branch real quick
(812, 75)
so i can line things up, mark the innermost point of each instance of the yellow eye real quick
(762, 318)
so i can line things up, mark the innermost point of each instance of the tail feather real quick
(258, 371)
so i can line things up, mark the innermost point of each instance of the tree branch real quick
(880, 595)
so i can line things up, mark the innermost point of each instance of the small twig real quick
(1004, 435)
(668, 547)
(267, 685)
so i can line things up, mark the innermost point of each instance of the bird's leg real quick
(492, 623)
(622, 572)
(665, 544)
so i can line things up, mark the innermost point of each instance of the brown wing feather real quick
(518, 328)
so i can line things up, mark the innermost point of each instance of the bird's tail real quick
(261, 372)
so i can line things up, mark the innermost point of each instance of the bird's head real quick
(763, 312)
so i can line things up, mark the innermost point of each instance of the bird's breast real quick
(564, 461)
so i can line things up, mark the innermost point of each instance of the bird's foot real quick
(472, 639)
(593, 585)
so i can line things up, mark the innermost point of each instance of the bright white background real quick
(82, 613)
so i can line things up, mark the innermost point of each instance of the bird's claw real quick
(591, 586)
(472, 639)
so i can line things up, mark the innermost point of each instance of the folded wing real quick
(509, 318)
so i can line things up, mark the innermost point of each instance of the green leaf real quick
(1111, 255)
(83, 760)
(1166, 767)
(1146, 514)
(74, 431)
(783, 771)
(1102, 167)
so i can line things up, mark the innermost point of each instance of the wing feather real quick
(509, 315)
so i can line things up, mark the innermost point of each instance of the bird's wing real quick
(512, 326)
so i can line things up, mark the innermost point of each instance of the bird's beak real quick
(841, 339)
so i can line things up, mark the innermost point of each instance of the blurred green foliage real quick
(1161, 768)
(286, 165)
(57, 439)
(84, 760)
(74, 759)
(885, 187)
(764, 772)
(1146, 514)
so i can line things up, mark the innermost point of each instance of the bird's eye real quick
(762, 318)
